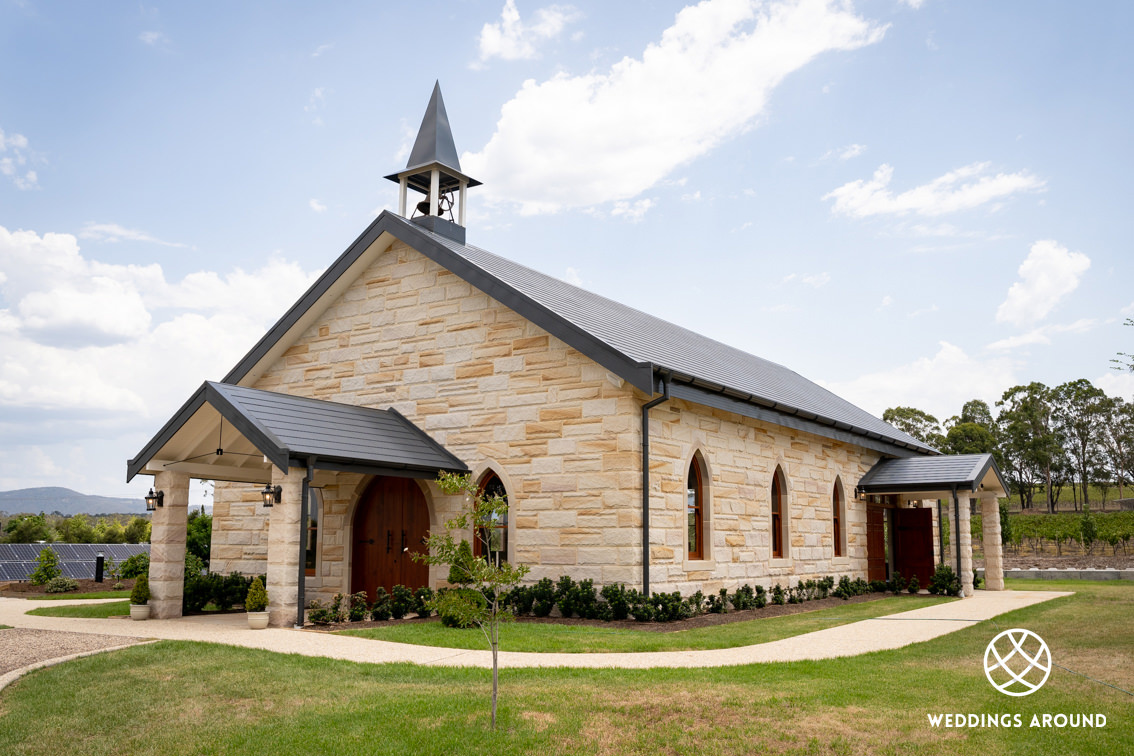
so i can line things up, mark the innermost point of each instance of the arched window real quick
(837, 518)
(695, 508)
(492, 537)
(779, 524)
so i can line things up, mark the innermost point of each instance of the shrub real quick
(339, 607)
(543, 594)
(132, 567)
(795, 595)
(401, 601)
(944, 581)
(358, 608)
(826, 585)
(618, 599)
(778, 597)
(913, 587)
(697, 601)
(669, 607)
(61, 584)
(521, 599)
(46, 567)
(256, 600)
(761, 597)
(380, 609)
(141, 591)
(898, 584)
(640, 607)
(459, 607)
(564, 589)
(421, 600)
(744, 598)
(319, 614)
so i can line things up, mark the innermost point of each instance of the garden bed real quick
(701, 620)
(27, 590)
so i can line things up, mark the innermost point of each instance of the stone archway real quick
(390, 523)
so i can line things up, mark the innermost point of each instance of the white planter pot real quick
(257, 620)
(139, 611)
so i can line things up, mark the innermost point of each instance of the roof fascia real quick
(756, 412)
(192, 404)
(638, 374)
(333, 465)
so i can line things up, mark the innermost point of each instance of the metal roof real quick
(285, 431)
(969, 472)
(76, 560)
(632, 344)
(434, 146)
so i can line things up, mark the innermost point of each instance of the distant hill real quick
(65, 501)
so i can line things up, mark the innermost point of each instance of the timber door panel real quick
(390, 522)
(875, 543)
(913, 549)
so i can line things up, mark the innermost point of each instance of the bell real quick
(423, 207)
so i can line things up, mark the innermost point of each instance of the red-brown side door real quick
(875, 543)
(913, 544)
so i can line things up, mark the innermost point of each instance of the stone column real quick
(993, 549)
(167, 545)
(283, 548)
(965, 538)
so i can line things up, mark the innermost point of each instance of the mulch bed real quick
(704, 620)
(27, 590)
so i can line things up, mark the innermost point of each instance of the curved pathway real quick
(893, 631)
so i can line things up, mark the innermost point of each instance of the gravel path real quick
(22, 647)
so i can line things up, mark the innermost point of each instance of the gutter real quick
(646, 482)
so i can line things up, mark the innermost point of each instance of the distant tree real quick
(199, 536)
(137, 530)
(1029, 441)
(109, 530)
(1077, 408)
(29, 529)
(914, 422)
(1117, 432)
(76, 529)
(969, 438)
(1127, 360)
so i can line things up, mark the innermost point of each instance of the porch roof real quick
(264, 428)
(934, 475)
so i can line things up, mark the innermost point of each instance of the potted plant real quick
(140, 598)
(256, 604)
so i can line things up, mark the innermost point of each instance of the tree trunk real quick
(495, 666)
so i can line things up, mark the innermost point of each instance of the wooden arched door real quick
(390, 523)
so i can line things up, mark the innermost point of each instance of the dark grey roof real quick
(434, 144)
(288, 430)
(941, 473)
(630, 343)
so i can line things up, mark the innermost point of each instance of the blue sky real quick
(909, 201)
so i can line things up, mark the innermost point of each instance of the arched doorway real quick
(390, 523)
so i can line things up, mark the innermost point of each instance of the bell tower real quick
(435, 171)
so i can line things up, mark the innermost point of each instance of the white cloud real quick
(315, 103)
(814, 280)
(1128, 310)
(963, 189)
(915, 4)
(632, 211)
(1117, 383)
(845, 153)
(511, 39)
(112, 232)
(572, 277)
(322, 49)
(87, 337)
(691, 196)
(886, 302)
(316, 205)
(924, 311)
(153, 38)
(581, 141)
(1042, 335)
(14, 158)
(939, 384)
(1048, 274)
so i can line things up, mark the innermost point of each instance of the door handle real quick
(403, 540)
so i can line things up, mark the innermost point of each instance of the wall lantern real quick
(154, 500)
(271, 495)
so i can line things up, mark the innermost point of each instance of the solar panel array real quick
(76, 560)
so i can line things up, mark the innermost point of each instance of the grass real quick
(5, 627)
(201, 698)
(109, 609)
(95, 595)
(544, 638)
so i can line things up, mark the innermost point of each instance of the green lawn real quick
(543, 638)
(96, 595)
(177, 697)
(109, 609)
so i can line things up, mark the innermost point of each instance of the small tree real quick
(482, 604)
(46, 567)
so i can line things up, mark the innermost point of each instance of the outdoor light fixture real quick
(271, 495)
(154, 500)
